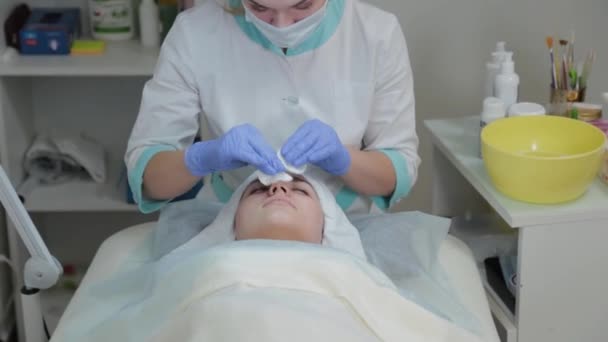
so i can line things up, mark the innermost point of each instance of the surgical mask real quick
(289, 36)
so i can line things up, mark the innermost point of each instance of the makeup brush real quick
(579, 70)
(587, 69)
(557, 66)
(571, 51)
(549, 41)
(564, 74)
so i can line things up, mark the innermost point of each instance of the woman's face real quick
(282, 13)
(281, 211)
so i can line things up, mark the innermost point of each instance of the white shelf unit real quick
(120, 59)
(95, 96)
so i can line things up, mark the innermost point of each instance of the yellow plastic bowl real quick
(542, 159)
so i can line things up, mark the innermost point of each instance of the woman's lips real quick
(278, 201)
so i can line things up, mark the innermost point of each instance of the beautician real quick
(326, 83)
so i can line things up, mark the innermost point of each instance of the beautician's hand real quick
(240, 146)
(317, 143)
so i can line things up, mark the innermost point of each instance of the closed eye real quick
(256, 189)
(304, 5)
(303, 187)
(257, 7)
(260, 189)
(302, 191)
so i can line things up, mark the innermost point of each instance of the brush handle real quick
(587, 69)
(565, 82)
(553, 71)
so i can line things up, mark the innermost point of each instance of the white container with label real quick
(112, 19)
(526, 109)
(493, 109)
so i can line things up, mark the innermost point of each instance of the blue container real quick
(50, 31)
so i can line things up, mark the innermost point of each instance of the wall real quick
(450, 41)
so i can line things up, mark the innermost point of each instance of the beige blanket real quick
(276, 291)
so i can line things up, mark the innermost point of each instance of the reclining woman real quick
(279, 263)
(302, 210)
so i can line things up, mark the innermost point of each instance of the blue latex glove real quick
(241, 146)
(317, 143)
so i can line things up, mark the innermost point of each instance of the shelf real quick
(119, 59)
(458, 139)
(78, 196)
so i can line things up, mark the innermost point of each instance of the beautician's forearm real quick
(166, 176)
(371, 173)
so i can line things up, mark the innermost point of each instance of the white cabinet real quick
(96, 96)
(561, 252)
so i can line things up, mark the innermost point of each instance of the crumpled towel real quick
(54, 160)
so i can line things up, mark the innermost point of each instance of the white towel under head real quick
(338, 232)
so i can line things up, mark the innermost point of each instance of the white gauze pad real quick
(283, 176)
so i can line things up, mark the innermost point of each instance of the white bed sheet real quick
(455, 257)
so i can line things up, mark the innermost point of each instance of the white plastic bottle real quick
(501, 50)
(492, 70)
(507, 82)
(493, 109)
(149, 24)
(112, 19)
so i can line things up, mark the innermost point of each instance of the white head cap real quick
(338, 232)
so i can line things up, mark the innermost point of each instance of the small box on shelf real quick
(50, 31)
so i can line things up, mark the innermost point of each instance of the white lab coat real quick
(210, 73)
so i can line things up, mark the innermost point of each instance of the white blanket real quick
(261, 291)
(213, 288)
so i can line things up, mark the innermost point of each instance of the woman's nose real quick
(278, 187)
(282, 20)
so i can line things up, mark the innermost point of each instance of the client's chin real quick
(278, 228)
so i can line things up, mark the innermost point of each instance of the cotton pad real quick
(279, 177)
(283, 176)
